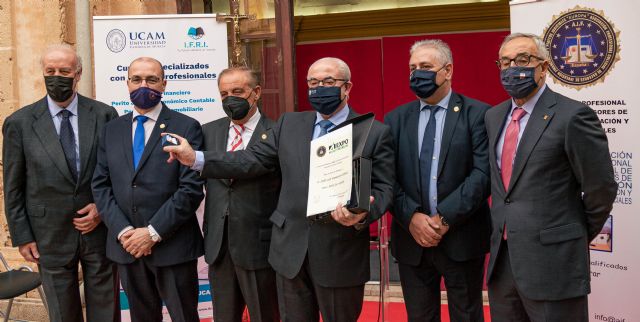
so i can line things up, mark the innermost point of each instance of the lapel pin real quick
(545, 117)
(264, 136)
(162, 126)
(456, 109)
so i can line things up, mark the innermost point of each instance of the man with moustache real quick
(552, 190)
(149, 205)
(237, 230)
(49, 154)
(441, 215)
(321, 263)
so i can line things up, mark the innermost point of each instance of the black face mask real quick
(519, 82)
(325, 100)
(423, 82)
(59, 88)
(236, 107)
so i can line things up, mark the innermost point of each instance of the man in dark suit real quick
(49, 154)
(149, 205)
(321, 263)
(441, 217)
(237, 230)
(552, 190)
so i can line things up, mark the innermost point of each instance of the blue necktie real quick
(426, 156)
(68, 142)
(138, 140)
(324, 127)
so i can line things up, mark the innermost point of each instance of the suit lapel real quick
(222, 137)
(127, 140)
(257, 132)
(46, 132)
(453, 113)
(538, 121)
(501, 114)
(154, 138)
(303, 134)
(86, 133)
(413, 116)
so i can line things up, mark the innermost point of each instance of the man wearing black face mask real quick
(441, 215)
(552, 190)
(149, 206)
(49, 155)
(237, 230)
(321, 263)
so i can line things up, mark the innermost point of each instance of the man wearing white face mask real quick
(237, 230)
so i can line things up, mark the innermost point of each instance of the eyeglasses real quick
(521, 60)
(151, 80)
(329, 81)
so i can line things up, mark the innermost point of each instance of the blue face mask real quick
(423, 82)
(325, 100)
(145, 97)
(519, 82)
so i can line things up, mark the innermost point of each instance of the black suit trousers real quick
(234, 287)
(508, 304)
(60, 284)
(300, 299)
(148, 286)
(421, 287)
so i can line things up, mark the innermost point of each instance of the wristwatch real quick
(154, 236)
(444, 221)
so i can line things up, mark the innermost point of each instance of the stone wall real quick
(27, 28)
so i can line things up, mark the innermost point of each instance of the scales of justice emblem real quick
(583, 46)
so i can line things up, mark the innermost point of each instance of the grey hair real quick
(253, 78)
(61, 47)
(342, 66)
(542, 48)
(443, 49)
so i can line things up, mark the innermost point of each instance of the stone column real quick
(27, 28)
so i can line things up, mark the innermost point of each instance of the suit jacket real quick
(245, 204)
(163, 195)
(41, 198)
(560, 194)
(463, 180)
(338, 255)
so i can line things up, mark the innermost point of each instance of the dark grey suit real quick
(237, 234)
(41, 200)
(463, 189)
(325, 254)
(159, 194)
(560, 194)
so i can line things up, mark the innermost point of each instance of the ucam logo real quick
(147, 39)
(144, 35)
(116, 40)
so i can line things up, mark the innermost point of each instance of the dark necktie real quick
(138, 140)
(426, 156)
(68, 142)
(324, 127)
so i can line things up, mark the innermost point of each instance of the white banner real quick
(193, 51)
(594, 48)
